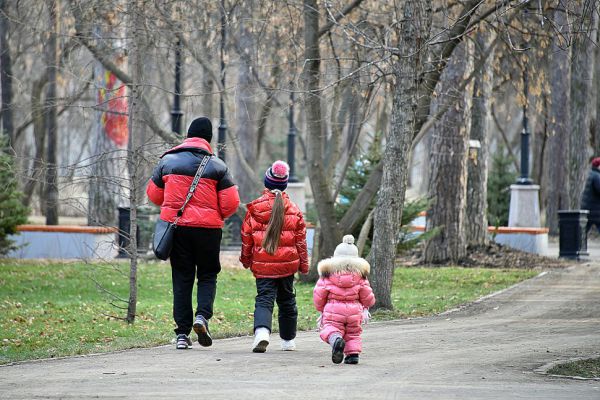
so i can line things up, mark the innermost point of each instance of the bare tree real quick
(448, 183)
(559, 121)
(582, 63)
(6, 73)
(135, 61)
(52, 62)
(476, 216)
(321, 186)
(413, 30)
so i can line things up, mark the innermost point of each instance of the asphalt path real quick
(495, 348)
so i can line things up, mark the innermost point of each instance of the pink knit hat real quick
(277, 176)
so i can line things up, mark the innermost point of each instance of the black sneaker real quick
(337, 350)
(351, 359)
(201, 329)
(183, 342)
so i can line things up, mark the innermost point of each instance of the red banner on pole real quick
(112, 97)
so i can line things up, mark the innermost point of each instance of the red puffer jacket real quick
(216, 197)
(291, 255)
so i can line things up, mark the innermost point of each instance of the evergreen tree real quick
(501, 176)
(12, 211)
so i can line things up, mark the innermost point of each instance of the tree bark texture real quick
(448, 183)
(6, 74)
(596, 88)
(582, 65)
(320, 185)
(135, 62)
(413, 31)
(246, 115)
(51, 181)
(481, 118)
(36, 177)
(559, 127)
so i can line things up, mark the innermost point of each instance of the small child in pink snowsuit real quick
(343, 295)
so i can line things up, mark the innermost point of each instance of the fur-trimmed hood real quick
(334, 265)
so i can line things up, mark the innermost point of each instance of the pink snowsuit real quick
(341, 294)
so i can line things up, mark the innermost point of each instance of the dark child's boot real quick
(337, 350)
(351, 359)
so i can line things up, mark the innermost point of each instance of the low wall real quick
(65, 242)
(530, 240)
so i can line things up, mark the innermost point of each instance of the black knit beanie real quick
(202, 128)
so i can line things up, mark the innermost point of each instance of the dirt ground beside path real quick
(488, 350)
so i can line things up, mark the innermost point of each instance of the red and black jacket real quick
(216, 197)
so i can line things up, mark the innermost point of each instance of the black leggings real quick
(281, 290)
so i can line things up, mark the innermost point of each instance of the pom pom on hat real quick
(277, 176)
(596, 162)
(346, 248)
(280, 169)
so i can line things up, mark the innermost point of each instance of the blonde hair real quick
(271, 240)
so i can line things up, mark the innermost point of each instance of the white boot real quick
(261, 340)
(288, 345)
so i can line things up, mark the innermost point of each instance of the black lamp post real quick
(524, 179)
(176, 113)
(222, 122)
(291, 143)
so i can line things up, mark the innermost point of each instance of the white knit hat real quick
(346, 248)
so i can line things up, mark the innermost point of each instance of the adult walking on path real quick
(198, 235)
(590, 199)
(488, 350)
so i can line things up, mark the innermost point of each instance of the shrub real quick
(12, 210)
(502, 175)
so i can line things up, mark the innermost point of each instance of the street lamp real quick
(291, 143)
(524, 179)
(222, 122)
(176, 113)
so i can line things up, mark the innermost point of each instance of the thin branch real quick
(354, 215)
(332, 22)
(119, 73)
(505, 139)
(429, 123)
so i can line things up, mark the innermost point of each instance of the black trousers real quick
(195, 254)
(281, 290)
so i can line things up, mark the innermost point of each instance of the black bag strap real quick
(193, 186)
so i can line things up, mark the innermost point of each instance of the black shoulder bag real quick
(164, 232)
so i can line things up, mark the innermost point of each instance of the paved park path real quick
(488, 350)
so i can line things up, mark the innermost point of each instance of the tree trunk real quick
(559, 131)
(135, 61)
(6, 75)
(51, 183)
(39, 137)
(246, 116)
(478, 160)
(413, 31)
(596, 87)
(320, 185)
(448, 183)
(582, 62)
(208, 107)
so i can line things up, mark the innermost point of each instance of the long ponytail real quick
(271, 241)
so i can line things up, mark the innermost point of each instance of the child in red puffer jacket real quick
(274, 249)
(343, 294)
